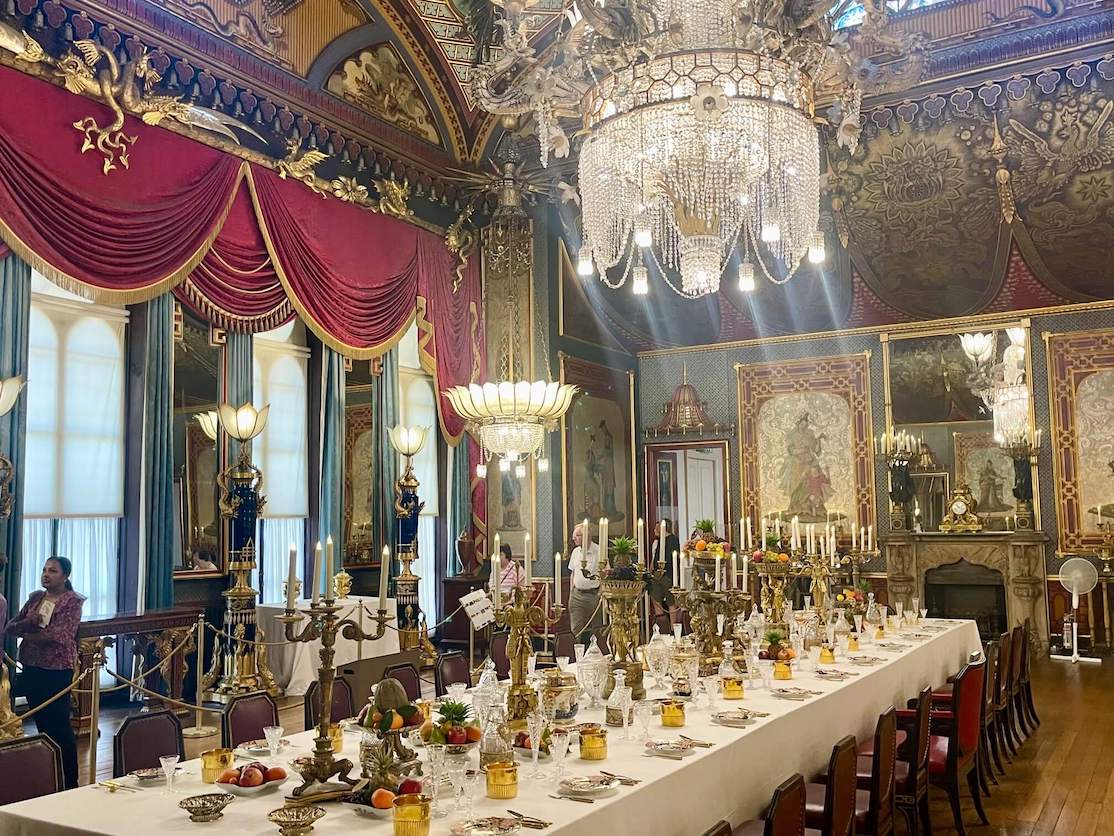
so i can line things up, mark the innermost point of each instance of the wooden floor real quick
(1061, 782)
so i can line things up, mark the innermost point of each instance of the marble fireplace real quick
(1017, 557)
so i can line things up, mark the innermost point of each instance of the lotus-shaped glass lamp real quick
(208, 422)
(244, 422)
(978, 347)
(9, 391)
(409, 441)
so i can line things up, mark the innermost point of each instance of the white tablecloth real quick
(295, 664)
(733, 780)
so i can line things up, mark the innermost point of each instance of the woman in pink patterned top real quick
(48, 625)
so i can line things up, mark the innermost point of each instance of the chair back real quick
(1002, 675)
(499, 654)
(245, 718)
(967, 697)
(1017, 644)
(882, 769)
(786, 816)
(144, 738)
(407, 675)
(344, 705)
(839, 793)
(1025, 650)
(451, 668)
(565, 645)
(29, 767)
(990, 684)
(919, 745)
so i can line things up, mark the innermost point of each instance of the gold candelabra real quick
(521, 617)
(1104, 551)
(706, 607)
(324, 624)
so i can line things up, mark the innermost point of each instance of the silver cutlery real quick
(113, 786)
(574, 798)
(699, 744)
(622, 779)
(530, 821)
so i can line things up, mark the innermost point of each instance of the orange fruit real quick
(397, 721)
(382, 799)
(701, 545)
(783, 558)
(474, 733)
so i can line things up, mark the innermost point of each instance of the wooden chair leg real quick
(1000, 721)
(1029, 705)
(976, 796)
(981, 769)
(1011, 727)
(952, 789)
(909, 813)
(926, 816)
(1019, 713)
(992, 736)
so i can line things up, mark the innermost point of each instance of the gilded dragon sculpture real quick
(89, 69)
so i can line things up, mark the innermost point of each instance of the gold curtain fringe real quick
(134, 295)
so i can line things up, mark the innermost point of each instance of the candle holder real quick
(521, 617)
(1022, 450)
(713, 614)
(324, 624)
(773, 575)
(855, 560)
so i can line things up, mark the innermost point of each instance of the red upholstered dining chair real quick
(451, 668)
(499, 654)
(1029, 707)
(874, 778)
(1003, 711)
(144, 738)
(786, 813)
(989, 756)
(29, 767)
(407, 675)
(911, 770)
(830, 807)
(344, 706)
(246, 716)
(954, 743)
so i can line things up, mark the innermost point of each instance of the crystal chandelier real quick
(699, 125)
(1001, 385)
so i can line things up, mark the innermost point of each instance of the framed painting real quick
(1081, 400)
(987, 470)
(806, 446)
(598, 469)
(359, 488)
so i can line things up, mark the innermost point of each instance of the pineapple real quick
(774, 638)
(707, 527)
(454, 719)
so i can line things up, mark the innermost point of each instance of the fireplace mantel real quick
(1018, 555)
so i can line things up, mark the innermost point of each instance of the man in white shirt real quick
(585, 613)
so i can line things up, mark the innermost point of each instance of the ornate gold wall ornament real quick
(300, 166)
(393, 195)
(377, 80)
(460, 238)
(1002, 176)
(349, 190)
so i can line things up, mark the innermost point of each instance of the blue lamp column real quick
(9, 391)
(409, 441)
(243, 666)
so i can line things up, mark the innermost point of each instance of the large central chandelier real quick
(698, 120)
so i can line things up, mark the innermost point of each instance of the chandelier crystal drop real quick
(697, 132)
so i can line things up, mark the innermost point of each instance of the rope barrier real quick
(64, 692)
(163, 697)
(232, 638)
(144, 674)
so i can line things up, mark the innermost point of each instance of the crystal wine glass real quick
(458, 770)
(169, 765)
(562, 663)
(559, 746)
(436, 753)
(273, 734)
(472, 781)
(535, 727)
(643, 711)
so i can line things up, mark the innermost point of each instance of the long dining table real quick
(731, 780)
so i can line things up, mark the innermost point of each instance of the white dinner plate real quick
(590, 786)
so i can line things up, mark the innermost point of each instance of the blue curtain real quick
(235, 382)
(331, 503)
(15, 313)
(158, 452)
(385, 412)
(460, 501)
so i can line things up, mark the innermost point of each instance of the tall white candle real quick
(762, 545)
(870, 537)
(661, 542)
(497, 577)
(292, 577)
(330, 569)
(384, 574)
(527, 558)
(717, 585)
(750, 537)
(676, 569)
(734, 570)
(640, 537)
(603, 538)
(317, 573)
(746, 572)
(854, 533)
(557, 579)
(496, 555)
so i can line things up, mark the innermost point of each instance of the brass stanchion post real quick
(95, 711)
(199, 730)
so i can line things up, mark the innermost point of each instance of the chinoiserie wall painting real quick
(598, 447)
(359, 546)
(928, 382)
(1081, 397)
(806, 439)
(987, 470)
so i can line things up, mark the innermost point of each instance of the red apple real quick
(456, 735)
(409, 786)
(251, 777)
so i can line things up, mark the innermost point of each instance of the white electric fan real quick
(1078, 576)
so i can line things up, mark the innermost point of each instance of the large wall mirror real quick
(359, 468)
(961, 396)
(198, 551)
(686, 482)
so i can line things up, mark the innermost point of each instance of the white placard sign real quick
(479, 608)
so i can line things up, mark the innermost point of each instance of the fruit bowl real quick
(461, 748)
(266, 786)
(279, 777)
(366, 810)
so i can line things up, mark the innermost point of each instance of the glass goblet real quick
(559, 747)
(924, 613)
(458, 769)
(643, 711)
(436, 754)
(535, 727)
(473, 779)
(273, 735)
(169, 764)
